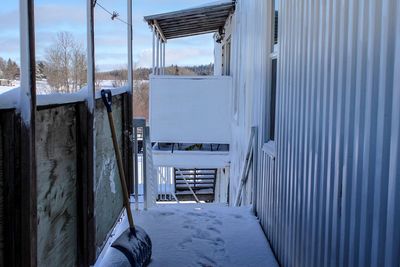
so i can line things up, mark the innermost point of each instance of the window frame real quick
(273, 55)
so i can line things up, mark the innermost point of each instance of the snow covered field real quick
(198, 235)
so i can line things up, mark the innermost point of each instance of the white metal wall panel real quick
(335, 197)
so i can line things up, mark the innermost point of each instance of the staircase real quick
(201, 181)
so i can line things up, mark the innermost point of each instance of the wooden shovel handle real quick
(106, 95)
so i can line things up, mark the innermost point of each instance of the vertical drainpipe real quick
(25, 228)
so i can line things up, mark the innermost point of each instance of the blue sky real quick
(52, 16)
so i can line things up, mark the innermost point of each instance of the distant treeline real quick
(200, 70)
(9, 69)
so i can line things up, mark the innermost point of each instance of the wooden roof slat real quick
(194, 21)
(194, 29)
(187, 34)
(191, 11)
(184, 23)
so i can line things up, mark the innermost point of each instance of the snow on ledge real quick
(10, 99)
(190, 77)
(114, 91)
(59, 98)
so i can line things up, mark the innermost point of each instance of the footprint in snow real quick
(167, 213)
(185, 242)
(205, 261)
(237, 216)
(217, 222)
(213, 229)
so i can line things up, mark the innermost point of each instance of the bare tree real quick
(141, 99)
(79, 67)
(8, 69)
(3, 65)
(65, 64)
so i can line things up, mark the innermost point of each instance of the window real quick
(273, 74)
(273, 99)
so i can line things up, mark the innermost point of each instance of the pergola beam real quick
(160, 31)
(196, 20)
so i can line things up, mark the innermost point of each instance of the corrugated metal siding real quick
(249, 53)
(335, 200)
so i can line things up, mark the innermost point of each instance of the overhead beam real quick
(192, 22)
(188, 34)
(200, 28)
(197, 16)
(198, 20)
(192, 11)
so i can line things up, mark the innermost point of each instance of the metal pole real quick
(154, 49)
(144, 168)
(161, 57)
(130, 47)
(90, 57)
(164, 58)
(255, 170)
(136, 177)
(158, 54)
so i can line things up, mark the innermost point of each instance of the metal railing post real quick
(144, 168)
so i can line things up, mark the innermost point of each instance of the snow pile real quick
(198, 235)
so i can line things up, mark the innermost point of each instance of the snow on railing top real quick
(10, 99)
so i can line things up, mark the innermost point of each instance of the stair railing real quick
(247, 165)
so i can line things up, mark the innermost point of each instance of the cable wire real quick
(114, 15)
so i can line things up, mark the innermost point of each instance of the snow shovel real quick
(134, 243)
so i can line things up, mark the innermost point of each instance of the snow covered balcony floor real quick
(198, 235)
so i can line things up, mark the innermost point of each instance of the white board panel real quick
(190, 109)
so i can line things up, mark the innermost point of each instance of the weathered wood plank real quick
(108, 193)
(85, 196)
(56, 186)
(11, 208)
